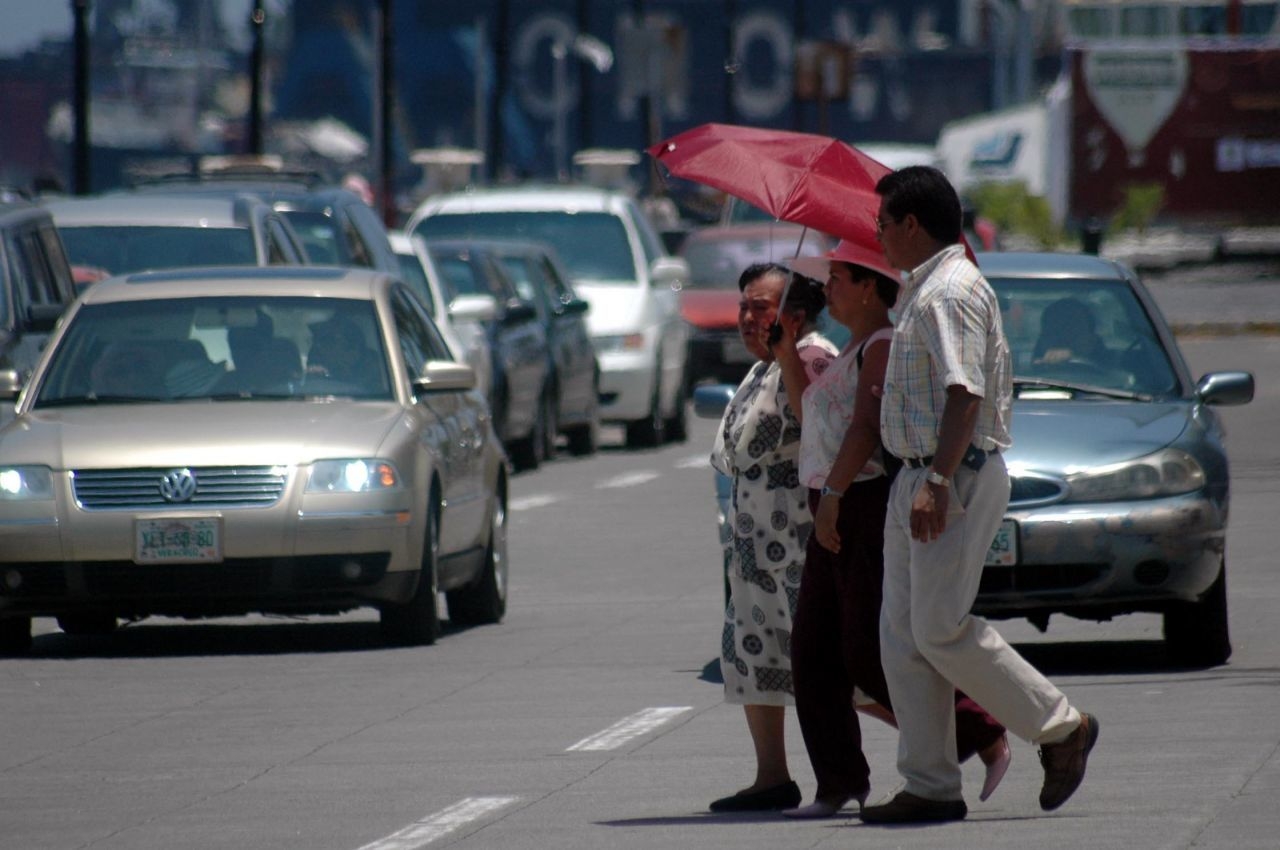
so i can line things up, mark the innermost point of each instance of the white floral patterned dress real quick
(758, 445)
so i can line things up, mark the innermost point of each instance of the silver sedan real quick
(222, 441)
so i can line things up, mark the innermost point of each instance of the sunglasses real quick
(881, 224)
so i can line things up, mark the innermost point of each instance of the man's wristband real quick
(935, 477)
(831, 491)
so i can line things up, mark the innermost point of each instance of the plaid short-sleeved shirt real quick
(948, 332)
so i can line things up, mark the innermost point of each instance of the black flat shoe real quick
(784, 796)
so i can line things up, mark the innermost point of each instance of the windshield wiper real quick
(74, 400)
(1073, 387)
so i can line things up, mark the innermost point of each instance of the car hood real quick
(1050, 436)
(710, 308)
(198, 434)
(617, 308)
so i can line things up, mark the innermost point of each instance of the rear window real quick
(591, 245)
(119, 250)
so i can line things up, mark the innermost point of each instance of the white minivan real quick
(619, 265)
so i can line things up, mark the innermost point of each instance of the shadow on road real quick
(178, 639)
(1103, 657)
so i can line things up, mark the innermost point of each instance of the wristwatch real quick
(937, 478)
(831, 491)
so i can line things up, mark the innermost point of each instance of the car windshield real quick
(717, 263)
(1083, 335)
(184, 349)
(592, 246)
(124, 249)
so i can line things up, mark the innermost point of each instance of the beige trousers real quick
(930, 644)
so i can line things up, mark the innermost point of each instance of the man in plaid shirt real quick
(945, 413)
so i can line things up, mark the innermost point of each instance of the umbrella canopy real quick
(817, 181)
(812, 180)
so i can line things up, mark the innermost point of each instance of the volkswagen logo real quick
(178, 485)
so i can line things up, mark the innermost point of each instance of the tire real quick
(550, 424)
(528, 452)
(15, 636)
(484, 601)
(585, 439)
(1198, 634)
(88, 623)
(416, 622)
(677, 426)
(649, 431)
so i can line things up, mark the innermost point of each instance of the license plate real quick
(734, 351)
(176, 541)
(1004, 549)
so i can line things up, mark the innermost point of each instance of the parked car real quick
(717, 257)
(619, 265)
(460, 324)
(36, 285)
(1119, 473)
(574, 393)
(121, 232)
(213, 442)
(335, 225)
(476, 282)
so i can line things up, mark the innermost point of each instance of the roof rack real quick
(266, 168)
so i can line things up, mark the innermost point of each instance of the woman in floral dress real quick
(758, 446)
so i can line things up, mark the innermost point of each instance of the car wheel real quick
(527, 453)
(584, 438)
(15, 636)
(1197, 633)
(651, 430)
(484, 600)
(550, 424)
(416, 622)
(678, 425)
(88, 623)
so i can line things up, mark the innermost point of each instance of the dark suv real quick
(35, 287)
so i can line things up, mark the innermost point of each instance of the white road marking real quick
(537, 500)
(694, 462)
(629, 728)
(628, 479)
(441, 823)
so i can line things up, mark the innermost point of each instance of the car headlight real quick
(1168, 472)
(356, 475)
(624, 342)
(23, 483)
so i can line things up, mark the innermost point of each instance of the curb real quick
(1217, 329)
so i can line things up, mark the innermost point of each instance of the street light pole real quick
(257, 18)
(80, 182)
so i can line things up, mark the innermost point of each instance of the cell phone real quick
(775, 334)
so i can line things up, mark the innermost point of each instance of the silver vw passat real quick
(212, 442)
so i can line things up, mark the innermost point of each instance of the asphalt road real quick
(592, 717)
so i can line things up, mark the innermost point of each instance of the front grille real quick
(1039, 577)
(216, 487)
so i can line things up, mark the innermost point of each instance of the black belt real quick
(974, 458)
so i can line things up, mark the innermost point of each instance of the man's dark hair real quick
(804, 293)
(925, 192)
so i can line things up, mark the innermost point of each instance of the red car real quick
(717, 257)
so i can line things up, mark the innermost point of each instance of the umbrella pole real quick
(800, 244)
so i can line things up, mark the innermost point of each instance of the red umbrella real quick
(816, 181)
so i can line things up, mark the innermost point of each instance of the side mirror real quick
(669, 271)
(709, 401)
(518, 311)
(442, 376)
(1225, 388)
(574, 307)
(473, 308)
(42, 317)
(10, 384)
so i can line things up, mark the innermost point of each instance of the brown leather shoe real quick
(1064, 763)
(906, 807)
